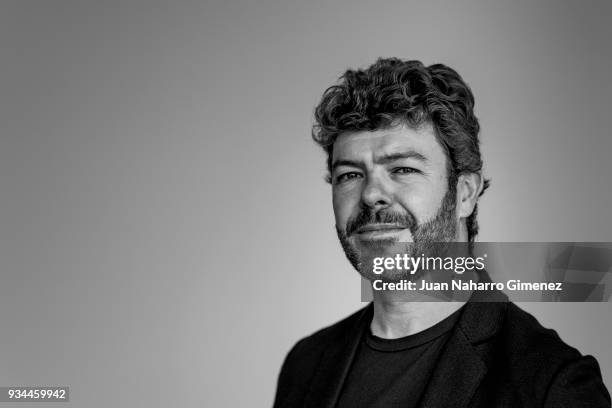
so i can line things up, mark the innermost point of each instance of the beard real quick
(431, 238)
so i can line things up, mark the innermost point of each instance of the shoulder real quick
(313, 345)
(302, 361)
(515, 333)
(536, 358)
(527, 337)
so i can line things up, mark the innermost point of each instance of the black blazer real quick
(497, 356)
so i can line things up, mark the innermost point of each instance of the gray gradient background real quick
(166, 232)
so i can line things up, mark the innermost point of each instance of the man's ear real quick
(469, 187)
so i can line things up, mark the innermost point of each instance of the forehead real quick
(367, 145)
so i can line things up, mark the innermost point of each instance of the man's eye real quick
(405, 170)
(347, 176)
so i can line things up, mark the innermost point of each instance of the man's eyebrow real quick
(344, 162)
(382, 159)
(409, 154)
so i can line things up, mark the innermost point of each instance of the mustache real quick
(368, 216)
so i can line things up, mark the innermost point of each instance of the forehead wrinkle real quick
(369, 147)
(401, 153)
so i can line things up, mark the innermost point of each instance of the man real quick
(405, 167)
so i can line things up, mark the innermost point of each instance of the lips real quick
(380, 228)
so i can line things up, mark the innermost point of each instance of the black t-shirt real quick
(394, 372)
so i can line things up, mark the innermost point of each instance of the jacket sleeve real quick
(578, 384)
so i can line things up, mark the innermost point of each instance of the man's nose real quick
(375, 194)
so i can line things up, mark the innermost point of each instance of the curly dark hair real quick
(392, 91)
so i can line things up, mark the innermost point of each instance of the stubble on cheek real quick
(361, 255)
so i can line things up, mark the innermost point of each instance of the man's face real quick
(390, 187)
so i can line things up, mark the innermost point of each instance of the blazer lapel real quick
(335, 365)
(461, 366)
(457, 375)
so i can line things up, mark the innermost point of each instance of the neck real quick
(394, 318)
